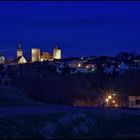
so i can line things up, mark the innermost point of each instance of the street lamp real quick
(109, 97)
(106, 100)
(79, 65)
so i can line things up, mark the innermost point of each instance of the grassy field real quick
(83, 124)
(103, 125)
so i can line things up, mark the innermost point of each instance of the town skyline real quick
(27, 52)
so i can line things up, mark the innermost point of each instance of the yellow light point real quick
(116, 105)
(79, 65)
(106, 100)
(113, 101)
(109, 97)
(41, 59)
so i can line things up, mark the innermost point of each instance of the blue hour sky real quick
(78, 28)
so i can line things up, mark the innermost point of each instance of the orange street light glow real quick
(109, 97)
(106, 100)
(113, 101)
(79, 65)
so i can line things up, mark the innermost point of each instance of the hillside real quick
(21, 117)
(41, 83)
(12, 97)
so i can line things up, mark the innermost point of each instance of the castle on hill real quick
(36, 55)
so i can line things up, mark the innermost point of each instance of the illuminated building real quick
(19, 60)
(133, 101)
(46, 56)
(56, 53)
(22, 60)
(19, 50)
(35, 54)
(2, 59)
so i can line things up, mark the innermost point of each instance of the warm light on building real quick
(106, 100)
(56, 53)
(46, 56)
(35, 55)
(116, 105)
(22, 60)
(113, 101)
(41, 59)
(19, 51)
(79, 65)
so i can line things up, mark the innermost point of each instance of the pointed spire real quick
(19, 49)
(19, 45)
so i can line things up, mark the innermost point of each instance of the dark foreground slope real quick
(72, 123)
(42, 83)
(13, 97)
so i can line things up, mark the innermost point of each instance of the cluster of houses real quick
(103, 64)
(93, 64)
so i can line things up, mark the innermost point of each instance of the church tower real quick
(56, 53)
(19, 50)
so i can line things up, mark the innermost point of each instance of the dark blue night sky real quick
(79, 28)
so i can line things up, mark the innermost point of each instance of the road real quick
(42, 109)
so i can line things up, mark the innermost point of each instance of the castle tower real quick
(19, 50)
(56, 53)
(35, 54)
